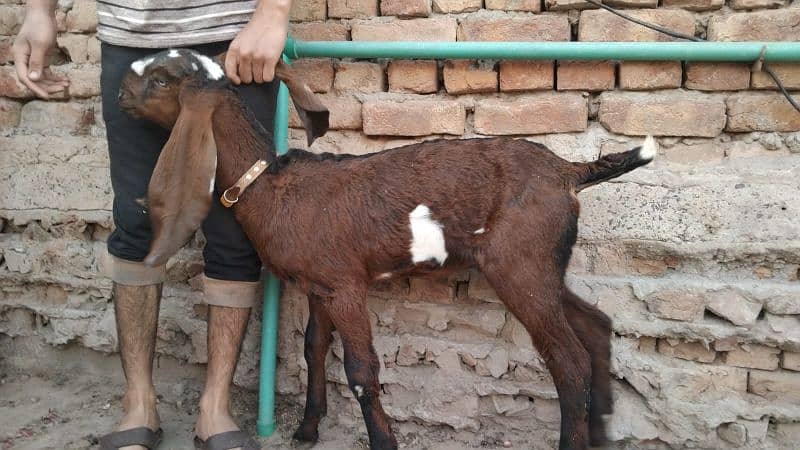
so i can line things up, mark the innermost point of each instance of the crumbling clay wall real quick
(696, 257)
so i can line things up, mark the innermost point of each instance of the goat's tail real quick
(614, 165)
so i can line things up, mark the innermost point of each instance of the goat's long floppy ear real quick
(312, 112)
(179, 194)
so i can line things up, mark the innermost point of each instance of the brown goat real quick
(333, 224)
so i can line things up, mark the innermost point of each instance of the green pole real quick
(265, 425)
(628, 51)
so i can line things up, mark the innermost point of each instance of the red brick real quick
(406, 8)
(465, 77)
(717, 76)
(779, 25)
(641, 75)
(75, 46)
(413, 117)
(791, 361)
(632, 3)
(788, 73)
(515, 5)
(761, 111)
(11, 17)
(46, 115)
(526, 75)
(349, 9)
(10, 86)
(84, 81)
(753, 356)
(307, 10)
(93, 50)
(586, 75)
(9, 113)
(456, 6)
(420, 77)
(317, 73)
(435, 29)
(694, 5)
(566, 5)
(601, 25)
(692, 351)
(5, 49)
(784, 386)
(666, 113)
(756, 4)
(83, 16)
(514, 28)
(359, 77)
(319, 31)
(345, 112)
(534, 114)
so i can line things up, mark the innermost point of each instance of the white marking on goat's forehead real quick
(427, 238)
(140, 65)
(213, 70)
(174, 53)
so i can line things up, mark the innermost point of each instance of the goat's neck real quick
(239, 144)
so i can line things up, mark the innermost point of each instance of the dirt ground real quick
(66, 398)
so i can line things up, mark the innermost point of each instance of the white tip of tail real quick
(649, 149)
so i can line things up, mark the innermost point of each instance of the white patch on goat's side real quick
(173, 53)
(359, 391)
(479, 231)
(139, 65)
(213, 70)
(649, 149)
(427, 239)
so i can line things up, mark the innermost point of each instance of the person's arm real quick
(36, 37)
(255, 51)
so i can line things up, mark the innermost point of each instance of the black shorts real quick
(134, 146)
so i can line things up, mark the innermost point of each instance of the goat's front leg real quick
(317, 342)
(348, 311)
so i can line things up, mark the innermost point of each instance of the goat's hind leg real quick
(535, 299)
(593, 328)
(317, 341)
(348, 311)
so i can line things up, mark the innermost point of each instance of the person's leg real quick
(134, 147)
(232, 283)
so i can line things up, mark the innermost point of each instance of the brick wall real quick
(696, 257)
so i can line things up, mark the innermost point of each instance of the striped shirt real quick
(170, 23)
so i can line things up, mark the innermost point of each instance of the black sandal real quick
(135, 436)
(226, 441)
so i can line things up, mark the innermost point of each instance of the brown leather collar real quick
(231, 195)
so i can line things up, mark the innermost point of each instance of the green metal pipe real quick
(265, 425)
(627, 51)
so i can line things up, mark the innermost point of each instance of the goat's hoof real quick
(597, 436)
(306, 434)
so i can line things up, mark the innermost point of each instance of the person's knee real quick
(231, 294)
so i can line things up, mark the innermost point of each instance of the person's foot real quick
(140, 411)
(214, 420)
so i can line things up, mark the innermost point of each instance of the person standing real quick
(254, 33)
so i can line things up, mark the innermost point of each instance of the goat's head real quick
(181, 89)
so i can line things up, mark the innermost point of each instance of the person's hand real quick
(36, 37)
(255, 51)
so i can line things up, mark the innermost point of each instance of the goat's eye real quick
(160, 82)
